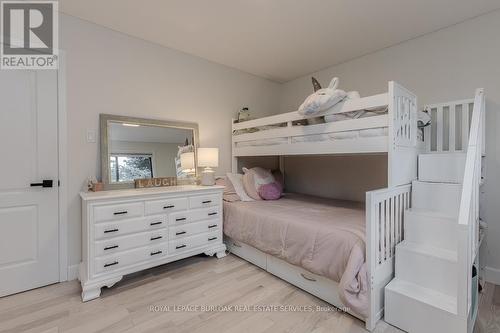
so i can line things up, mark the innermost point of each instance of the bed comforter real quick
(323, 236)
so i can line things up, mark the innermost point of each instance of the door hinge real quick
(58, 183)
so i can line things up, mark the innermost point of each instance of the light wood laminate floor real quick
(194, 282)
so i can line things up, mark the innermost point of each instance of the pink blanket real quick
(323, 236)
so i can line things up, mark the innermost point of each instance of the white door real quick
(29, 226)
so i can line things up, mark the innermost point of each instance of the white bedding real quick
(366, 133)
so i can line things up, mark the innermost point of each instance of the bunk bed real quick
(391, 131)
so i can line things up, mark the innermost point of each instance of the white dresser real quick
(125, 231)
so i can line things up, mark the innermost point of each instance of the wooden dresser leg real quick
(219, 251)
(93, 291)
(89, 294)
(221, 254)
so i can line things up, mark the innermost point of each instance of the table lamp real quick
(208, 158)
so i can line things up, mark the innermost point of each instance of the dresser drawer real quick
(123, 243)
(118, 228)
(118, 211)
(187, 230)
(189, 243)
(166, 205)
(130, 257)
(194, 215)
(204, 201)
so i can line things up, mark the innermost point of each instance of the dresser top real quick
(138, 192)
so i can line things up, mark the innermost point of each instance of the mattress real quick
(366, 133)
(323, 236)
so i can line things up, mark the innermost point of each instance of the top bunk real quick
(373, 124)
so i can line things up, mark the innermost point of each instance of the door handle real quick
(44, 183)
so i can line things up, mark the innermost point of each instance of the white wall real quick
(109, 72)
(446, 65)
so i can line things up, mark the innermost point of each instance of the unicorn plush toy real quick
(322, 99)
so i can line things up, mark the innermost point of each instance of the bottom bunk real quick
(305, 231)
(336, 250)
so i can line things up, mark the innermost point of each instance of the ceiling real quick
(156, 134)
(277, 39)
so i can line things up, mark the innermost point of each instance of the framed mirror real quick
(136, 148)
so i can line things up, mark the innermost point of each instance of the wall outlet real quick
(91, 136)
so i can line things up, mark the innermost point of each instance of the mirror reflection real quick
(138, 151)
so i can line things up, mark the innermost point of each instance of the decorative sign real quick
(155, 182)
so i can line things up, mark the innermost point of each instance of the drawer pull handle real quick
(236, 244)
(212, 238)
(181, 219)
(214, 213)
(110, 230)
(307, 278)
(111, 264)
(155, 238)
(110, 247)
(180, 233)
(212, 226)
(155, 223)
(168, 207)
(155, 253)
(206, 201)
(120, 213)
(180, 246)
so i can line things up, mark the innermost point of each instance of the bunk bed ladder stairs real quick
(422, 297)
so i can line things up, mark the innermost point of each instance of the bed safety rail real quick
(385, 229)
(450, 126)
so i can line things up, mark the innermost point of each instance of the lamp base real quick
(208, 177)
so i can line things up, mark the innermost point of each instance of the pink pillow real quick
(254, 178)
(271, 191)
(249, 184)
(229, 194)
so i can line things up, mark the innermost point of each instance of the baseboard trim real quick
(492, 275)
(73, 272)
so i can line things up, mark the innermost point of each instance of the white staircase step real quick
(441, 167)
(437, 197)
(431, 228)
(417, 309)
(428, 266)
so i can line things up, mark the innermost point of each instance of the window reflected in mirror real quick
(139, 151)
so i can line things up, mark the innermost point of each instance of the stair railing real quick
(468, 218)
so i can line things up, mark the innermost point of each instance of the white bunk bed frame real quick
(384, 208)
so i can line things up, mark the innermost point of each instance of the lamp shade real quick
(208, 157)
(187, 161)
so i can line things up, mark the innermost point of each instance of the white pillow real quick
(237, 180)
